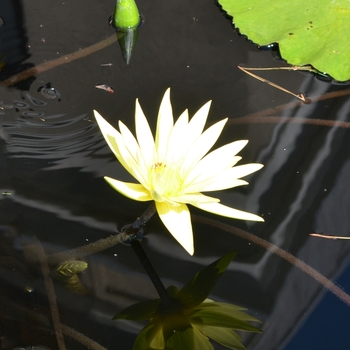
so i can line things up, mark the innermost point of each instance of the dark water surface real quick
(53, 159)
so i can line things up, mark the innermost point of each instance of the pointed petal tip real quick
(190, 250)
(97, 115)
(167, 93)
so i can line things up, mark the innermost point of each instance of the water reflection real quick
(185, 319)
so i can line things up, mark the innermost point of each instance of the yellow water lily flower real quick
(175, 168)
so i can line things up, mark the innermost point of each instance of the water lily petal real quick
(134, 191)
(188, 133)
(202, 145)
(177, 220)
(198, 197)
(106, 129)
(109, 133)
(144, 136)
(165, 123)
(197, 122)
(223, 210)
(229, 178)
(217, 184)
(115, 142)
(128, 160)
(244, 170)
(176, 147)
(216, 161)
(205, 172)
(129, 140)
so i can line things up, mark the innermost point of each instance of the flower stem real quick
(136, 226)
(167, 300)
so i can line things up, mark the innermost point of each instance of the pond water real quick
(54, 157)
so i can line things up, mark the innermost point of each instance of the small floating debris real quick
(104, 87)
(106, 64)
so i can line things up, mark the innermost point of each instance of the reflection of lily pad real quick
(315, 32)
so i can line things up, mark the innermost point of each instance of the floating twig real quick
(300, 96)
(321, 235)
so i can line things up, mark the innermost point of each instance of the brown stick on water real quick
(59, 61)
(103, 243)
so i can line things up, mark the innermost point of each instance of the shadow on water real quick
(53, 159)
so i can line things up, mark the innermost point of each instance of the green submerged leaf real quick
(315, 32)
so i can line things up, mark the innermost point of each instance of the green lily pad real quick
(315, 32)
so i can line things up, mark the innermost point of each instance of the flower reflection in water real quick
(187, 319)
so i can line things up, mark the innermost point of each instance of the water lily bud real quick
(126, 15)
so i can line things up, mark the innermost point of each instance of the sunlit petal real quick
(195, 198)
(193, 129)
(202, 145)
(127, 159)
(130, 190)
(217, 161)
(129, 140)
(223, 210)
(178, 221)
(144, 136)
(229, 178)
(164, 125)
(197, 122)
(106, 129)
(176, 146)
(217, 184)
(244, 170)
(116, 143)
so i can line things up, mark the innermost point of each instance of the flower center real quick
(166, 182)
